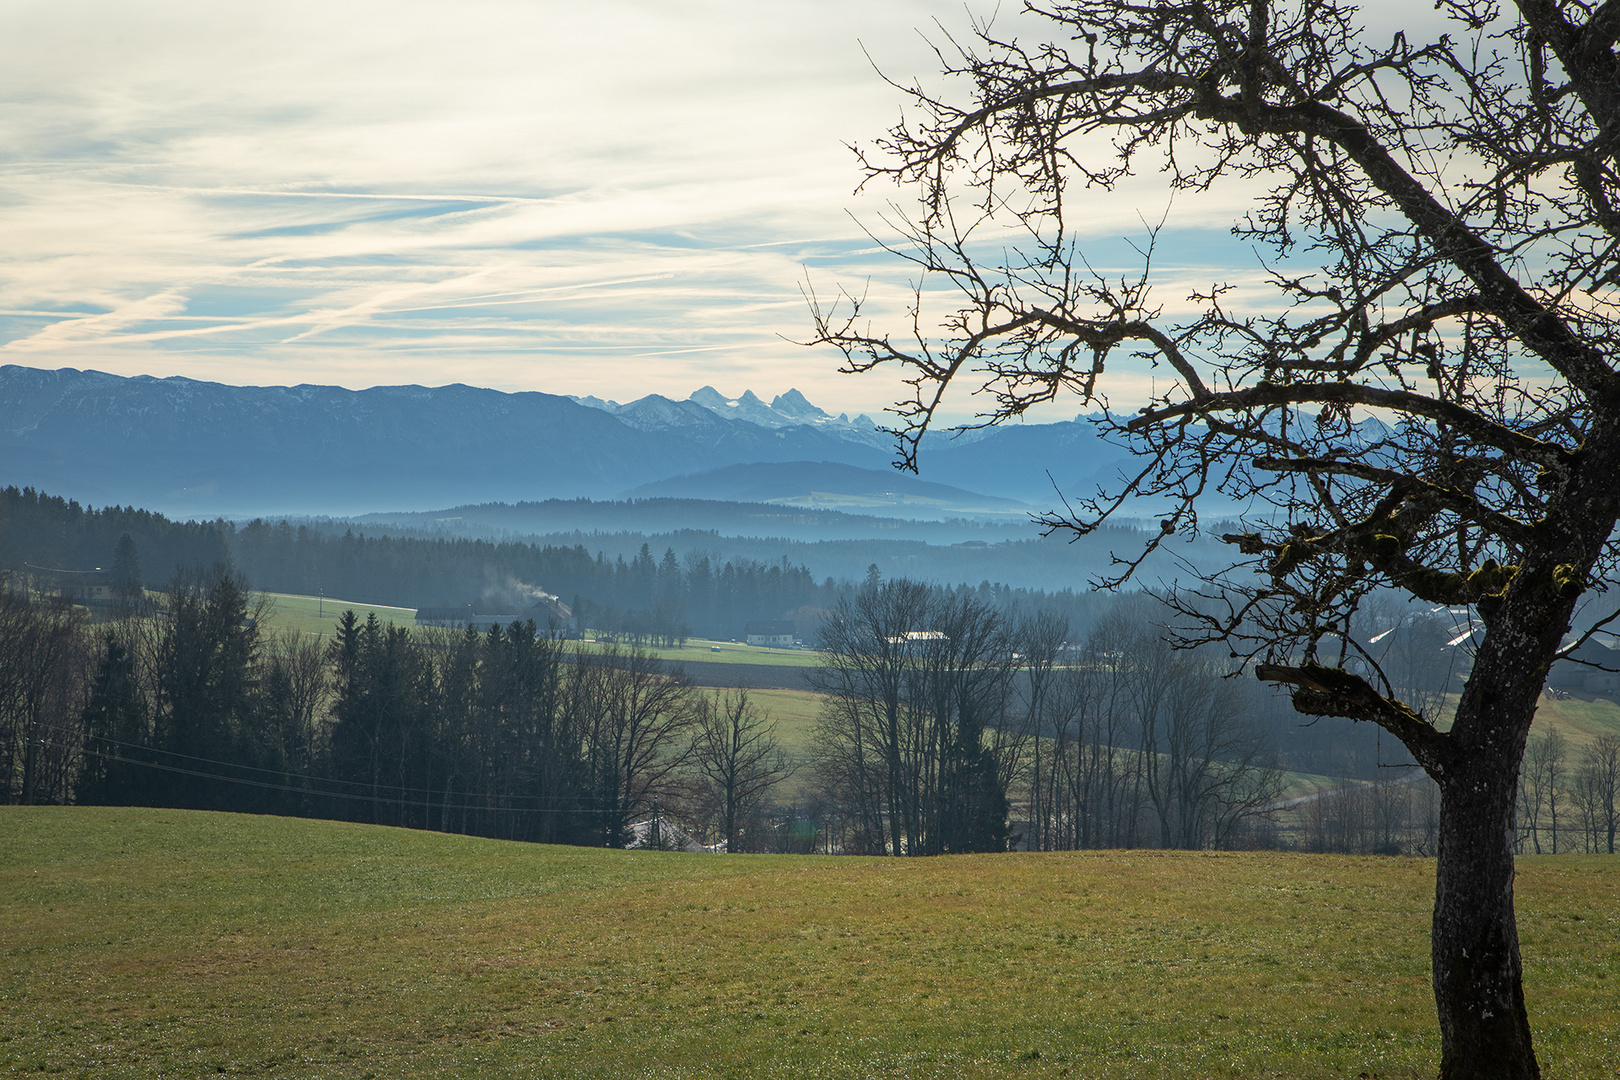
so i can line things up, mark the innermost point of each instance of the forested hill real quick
(653, 516)
(50, 532)
(665, 591)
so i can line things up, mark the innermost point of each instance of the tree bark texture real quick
(1484, 1027)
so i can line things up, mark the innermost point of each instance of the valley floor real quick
(140, 943)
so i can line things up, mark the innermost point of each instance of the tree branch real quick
(1328, 691)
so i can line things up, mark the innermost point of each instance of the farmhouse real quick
(80, 586)
(775, 633)
(551, 617)
(1593, 668)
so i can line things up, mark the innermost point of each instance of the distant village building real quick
(91, 592)
(79, 586)
(773, 633)
(915, 642)
(1590, 677)
(551, 617)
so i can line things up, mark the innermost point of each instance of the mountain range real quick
(192, 448)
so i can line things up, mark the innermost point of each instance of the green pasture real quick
(1579, 721)
(795, 713)
(703, 651)
(145, 943)
(319, 615)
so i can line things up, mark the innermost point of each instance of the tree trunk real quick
(1478, 987)
(30, 762)
(1484, 1029)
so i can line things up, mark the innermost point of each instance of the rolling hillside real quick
(143, 943)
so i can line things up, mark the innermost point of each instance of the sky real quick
(613, 198)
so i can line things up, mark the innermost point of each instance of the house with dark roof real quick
(552, 617)
(1593, 668)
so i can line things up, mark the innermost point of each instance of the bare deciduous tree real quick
(737, 754)
(42, 689)
(1148, 738)
(915, 739)
(636, 712)
(1451, 206)
(1598, 780)
(1541, 786)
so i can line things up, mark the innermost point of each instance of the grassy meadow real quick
(705, 651)
(145, 943)
(1580, 721)
(319, 615)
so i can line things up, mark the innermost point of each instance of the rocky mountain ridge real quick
(194, 448)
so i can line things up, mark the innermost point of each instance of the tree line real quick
(650, 597)
(951, 724)
(1569, 799)
(506, 733)
(1117, 741)
(945, 716)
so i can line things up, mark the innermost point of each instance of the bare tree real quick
(917, 732)
(43, 657)
(1218, 773)
(1102, 777)
(1541, 783)
(1598, 780)
(637, 715)
(862, 739)
(1140, 736)
(1044, 636)
(297, 686)
(1203, 768)
(737, 753)
(1451, 206)
(959, 693)
(1530, 803)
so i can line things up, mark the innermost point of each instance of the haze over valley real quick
(812, 539)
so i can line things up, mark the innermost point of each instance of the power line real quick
(381, 799)
(308, 777)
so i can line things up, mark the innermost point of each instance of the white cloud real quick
(610, 198)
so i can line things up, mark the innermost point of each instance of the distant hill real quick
(555, 517)
(828, 485)
(203, 449)
(1006, 548)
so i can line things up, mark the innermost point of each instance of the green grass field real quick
(145, 943)
(702, 651)
(1578, 721)
(795, 713)
(319, 615)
